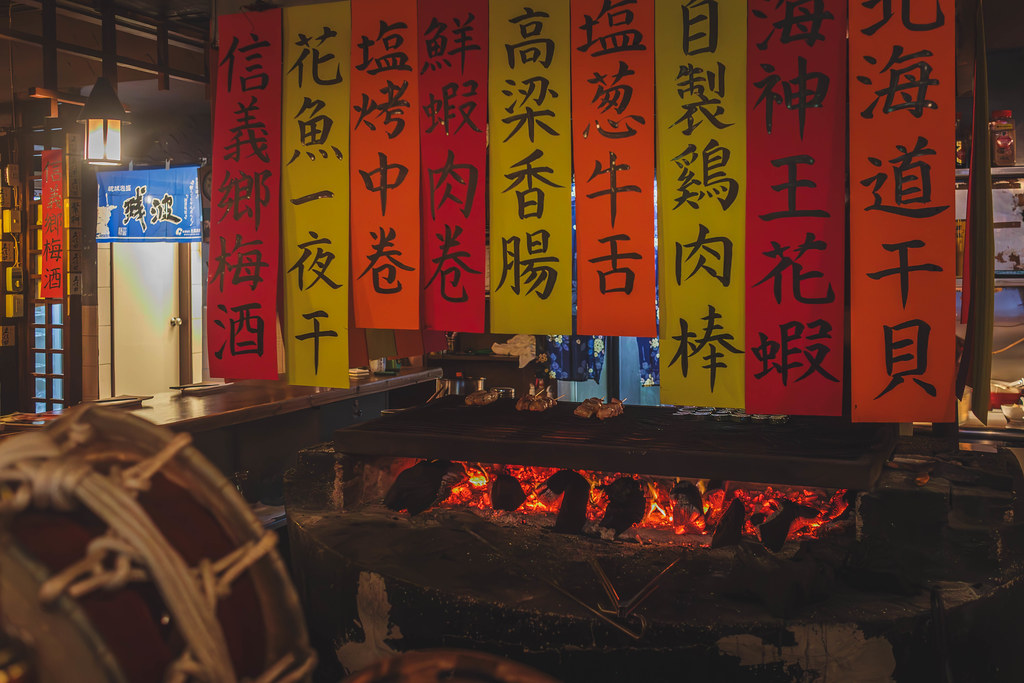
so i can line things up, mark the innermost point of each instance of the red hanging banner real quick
(385, 165)
(51, 285)
(245, 226)
(796, 153)
(902, 249)
(613, 153)
(453, 128)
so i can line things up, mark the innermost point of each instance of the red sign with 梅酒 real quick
(51, 285)
(245, 225)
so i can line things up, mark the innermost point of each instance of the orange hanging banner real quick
(902, 232)
(385, 166)
(613, 154)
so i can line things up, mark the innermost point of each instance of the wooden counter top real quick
(250, 400)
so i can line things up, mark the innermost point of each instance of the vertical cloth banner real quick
(314, 193)
(902, 250)
(530, 168)
(453, 132)
(701, 108)
(796, 206)
(385, 162)
(51, 272)
(244, 234)
(613, 152)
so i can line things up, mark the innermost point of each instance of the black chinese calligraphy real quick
(714, 256)
(244, 195)
(613, 93)
(908, 84)
(700, 93)
(531, 91)
(161, 210)
(609, 32)
(530, 201)
(792, 184)
(391, 108)
(437, 42)
(615, 274)
(384, 262)
(801, 21)
(134, 208)
(450, 265)
(243, 261)
(455, 183)
(806, 90)
(314, 131)
(316, 257)
(533, 49)
(253, 75)
(710, 179)
(906, 356)
(713, 338)
(316, 334)
(385, 177)
(384, 52)
(700, 26)
(911, 186)
(791, 353)
(534, 268)
(614, 188)
(937, 20)
(457, 101)
(312, 55)
(785, 263)
(245, 332)
(248, 133)
(53, 279)
(904, 269)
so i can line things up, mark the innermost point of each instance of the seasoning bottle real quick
(1001, 129)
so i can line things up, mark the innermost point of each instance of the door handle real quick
(175, 322)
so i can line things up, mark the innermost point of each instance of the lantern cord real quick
(1008, 346)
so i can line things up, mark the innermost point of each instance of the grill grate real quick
(809, 451)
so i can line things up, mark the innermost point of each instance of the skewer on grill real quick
(612, 409)
(484, 397)
(536, 402)
(588, 407)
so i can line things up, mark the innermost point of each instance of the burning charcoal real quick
(418, 487)
(572, 514)
(626, 504)
(506, 493)
(776, 529)
(687, 504)
(730, 529)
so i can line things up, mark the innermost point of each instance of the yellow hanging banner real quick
(530, 168)
(700, 71)
(315, 193)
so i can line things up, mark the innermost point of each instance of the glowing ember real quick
(684, 508)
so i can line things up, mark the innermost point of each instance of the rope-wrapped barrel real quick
(98, 461)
